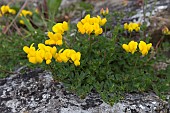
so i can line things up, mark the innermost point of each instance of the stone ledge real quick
(36, 92)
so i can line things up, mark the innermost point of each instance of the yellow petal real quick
(12, 11)
(126, 26)
(39, 59)
(142, 45)
(65, 26)
(77, 63)
(125, 47)
(26, 49)
(103, 21)
(32, 60)
(48, 61)
(149, 46)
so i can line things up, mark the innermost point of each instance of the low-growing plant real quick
(89, 60)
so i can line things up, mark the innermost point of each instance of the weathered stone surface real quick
(36, 92)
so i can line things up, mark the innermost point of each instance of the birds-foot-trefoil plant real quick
(90, 61)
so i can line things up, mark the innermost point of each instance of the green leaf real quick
(28, 24)
(53, 5)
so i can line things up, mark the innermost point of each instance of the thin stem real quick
(9, 72)
(90, 46)
(135, 65)
(157, 45)
(105, 30)
(51, 69)
(130, 35)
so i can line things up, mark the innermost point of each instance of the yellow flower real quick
(57, 56)
(21, 22)
(97, 29)
(132, 26)
(126, 26)
(88, 28)
(32, 60)
(65, 26)
(91, 25)
(68, 55)
(60, 27)
(39, 56)
(86, 19)
(33, 55)
(165, 31)
(76, 62)
(42, 53)
(144, 48)
(94, 20)
(104, 12)
(48, 57)
(125, 47)
(55, 39)
(12, 11)
(80, 28)
(131, 47)
(107, 10)
(25, 13)
(4, 9)
(53, 51)
(75, 57)
(101, 21)
(28, 49)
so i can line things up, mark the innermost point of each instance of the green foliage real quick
(86, 6)
(11, 53)
(27, 24)
(108, 69)
(53, 6)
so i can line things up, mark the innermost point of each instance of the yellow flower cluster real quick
(56, 38)
(60, 27)
(42, 53)
(25, 13)
(132, 46)
(132, 26)
(6, 9)
(68, 55)
(90, 25)
(144, 48)
(104, 12)
(165, 31)
(47, 52)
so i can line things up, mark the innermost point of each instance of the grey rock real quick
(36, 92)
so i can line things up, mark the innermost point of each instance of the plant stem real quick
(135, 65)
(157, 45)
(104, 27)
(90, 46)
(52, 70)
